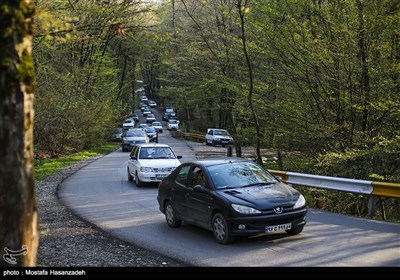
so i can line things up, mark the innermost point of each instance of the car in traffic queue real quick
(117, 134)
(152, 104)
(150, 118)
(158, 126)
(133, 136)
(152, 134)
(235, 197)
(128, 123)
(172, 125)
(149, 163)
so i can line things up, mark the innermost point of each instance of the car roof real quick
(218, 160)
(152, 145)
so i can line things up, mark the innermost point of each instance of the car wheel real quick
(213, 143)
(221, 230)
(123, 149)
(170, 217)
(137, 181)
(295, 231)
(130, 177)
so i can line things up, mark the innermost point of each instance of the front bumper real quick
(254, 225)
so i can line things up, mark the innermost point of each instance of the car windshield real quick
(136, 133)
(239, 175)
(156, 124)
(172, 122)
(156, 153)
(150, 129)
(221, 132)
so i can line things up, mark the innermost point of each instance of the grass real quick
(46, 167)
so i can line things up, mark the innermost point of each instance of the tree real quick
(19, 231)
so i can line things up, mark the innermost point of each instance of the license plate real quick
(278, 228)
(160, 176)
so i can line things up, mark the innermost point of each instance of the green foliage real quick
(48, 166)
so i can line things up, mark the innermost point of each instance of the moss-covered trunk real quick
(19, 235)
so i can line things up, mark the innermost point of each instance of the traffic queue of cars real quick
(229, 196)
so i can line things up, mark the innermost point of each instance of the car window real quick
(197, 177)
(182, 175)
(238, 175)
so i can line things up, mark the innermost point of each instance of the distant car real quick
(146, 112)
(158, 126)
(128, 123)
(174, 118)
(231, 197)
(152, 134)
(132, 137)
(151, 163)
(216, 136)
(135, 117)
(152, 104)
(117, 135)
(172, 125)
(150, 118)
(143, 125)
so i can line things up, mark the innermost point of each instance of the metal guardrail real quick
(340, 184)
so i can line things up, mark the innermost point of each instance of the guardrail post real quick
(372, 205)
(229, 151)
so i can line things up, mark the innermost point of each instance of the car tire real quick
(213, 143)
(295, 231)
(137, 181)
(130, 177)
(221, 230)
(170, 217)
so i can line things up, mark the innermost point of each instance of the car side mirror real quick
(133, 157)
(200, 189)
(179, 157)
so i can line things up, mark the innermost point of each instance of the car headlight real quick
(146, 169)
(244, 209)
(301, 201)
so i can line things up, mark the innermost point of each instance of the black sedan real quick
(231, 197)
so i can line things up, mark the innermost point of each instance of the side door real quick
(180, 191)
(133, 160)
(199, 204)
(209, 136)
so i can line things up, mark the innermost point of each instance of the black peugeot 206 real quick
(231, 197)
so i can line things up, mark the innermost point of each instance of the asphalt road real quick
(101, 194)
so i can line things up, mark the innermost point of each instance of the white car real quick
(216, 136)
(128, 123)
(172, 125)
(158, 126)
(151, 163)
(152, 104)
(150, 118)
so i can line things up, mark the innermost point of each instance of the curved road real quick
(101, 194)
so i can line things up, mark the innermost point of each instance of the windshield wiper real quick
(259, 184)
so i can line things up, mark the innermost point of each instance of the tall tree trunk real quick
(241, 5)
(363, 50)
(19, 234)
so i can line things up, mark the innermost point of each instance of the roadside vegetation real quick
(315, 81)
(48, 166)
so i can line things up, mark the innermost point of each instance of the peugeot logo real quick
(278, 209)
